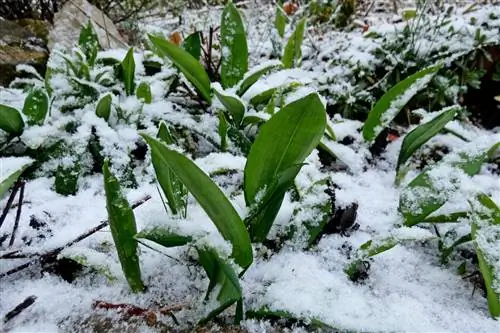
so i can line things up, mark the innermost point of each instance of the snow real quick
(407, 290)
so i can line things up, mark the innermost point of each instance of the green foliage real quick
(292, 55)
(424, 195)
(11, 120)
(128, 72)
(186, 63)
(280, 21)
(234, 49)
(36, 106)
(89, 43)
(164, 237)
(173, 189)
(144, 92)
(233, 104)
(11, 178)
(223, 279)
(423, 133)
(209, 196)
(103, 109)
(253, 77)
(485, 231)
(192, 44)
(66, 181)
(275, 158)
(389, 105)
(123, 229)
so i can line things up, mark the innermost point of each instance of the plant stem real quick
(9, 202)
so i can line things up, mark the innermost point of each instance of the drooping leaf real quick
(192, 44)
(222, 276)
(10, 120)
(209, 196)
(265, 96)
(144, 92)
(253, 76)
(170, 184)
(485, 231)
(234, 49)
(123, 229)
(389, 105)
(164, 237)
(186, 63)
(423, 133)
(447, 218)
(292, 55)
(280, 20)
(431, 189)
(89, 43)
(7, 180)
(446, 251)
(275, 158)
(103, 108)
(128, 72)
(233, 104)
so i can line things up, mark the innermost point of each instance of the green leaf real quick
(192, 44)
(6, 181)
(292, 55)
(103, 109)
(89, 43)
(209, 196)
(165, 134)
(11, 120)
(223, 128)
(233, 104)
(275, 158)
(144, 92)
(280, 20)
(265, 96)
(266, 313)
(123, 229)
(66, 181)
(447, 218)
(284, 141)
(485, 231)
(262, 214)
(128, 72)
(423, 133)
(376, 246)
(234, 49)
(446, 252)
(222, 276)
(424, 195)
(186, 63)
(164, 237)
(253, 76)
(389, 105)
(171, 185)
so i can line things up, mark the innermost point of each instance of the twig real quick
(53, 253)
(19, 308)
(9, 202)
(18, 214)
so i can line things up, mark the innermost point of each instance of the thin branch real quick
(9, 202)
(18, 214)
(46, 257)
(19, 308)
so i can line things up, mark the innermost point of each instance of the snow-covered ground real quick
(408, 289)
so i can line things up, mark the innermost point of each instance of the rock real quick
(75, 14)
(19, 46)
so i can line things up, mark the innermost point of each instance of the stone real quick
(75, 14)
(19, 46)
